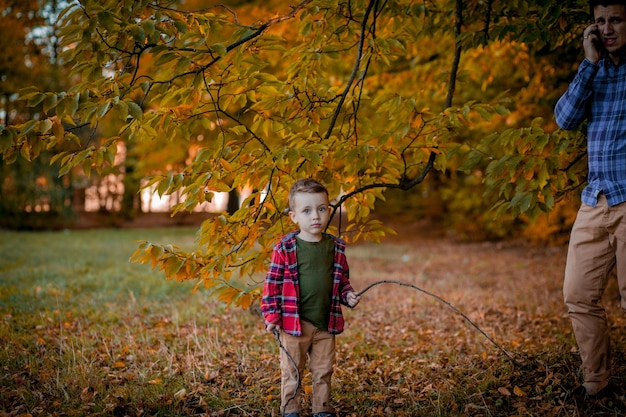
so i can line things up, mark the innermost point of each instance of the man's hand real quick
(353, 299)
(592, 43)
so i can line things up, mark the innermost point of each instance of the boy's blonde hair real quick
(305, 185)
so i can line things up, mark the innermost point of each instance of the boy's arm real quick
(349, 296)
(271, 303)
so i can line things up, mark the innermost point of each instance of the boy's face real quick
(311, 213)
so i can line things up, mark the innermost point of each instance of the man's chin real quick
(616, 51)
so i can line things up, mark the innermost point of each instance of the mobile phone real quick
(597, 41)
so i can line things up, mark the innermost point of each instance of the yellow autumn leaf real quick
(119, 365)
(226, 165)
(519, 392)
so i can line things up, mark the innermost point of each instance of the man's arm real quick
(573, 106)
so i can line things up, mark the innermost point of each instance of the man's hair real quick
(594, 3)
(305, 185)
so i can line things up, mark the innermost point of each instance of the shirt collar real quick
(622, 59)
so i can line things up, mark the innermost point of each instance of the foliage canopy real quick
(366, 96)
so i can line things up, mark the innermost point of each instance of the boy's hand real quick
(353, 299)
(272, 327)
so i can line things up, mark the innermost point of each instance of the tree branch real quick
(256, 33)
(405, 183)
(355, 69)
(457, 53)
(487, 20)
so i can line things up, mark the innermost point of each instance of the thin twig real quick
(355, 69)
(453, 308)
(295, 366)
(230, 408)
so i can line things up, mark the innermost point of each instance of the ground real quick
(480, 331)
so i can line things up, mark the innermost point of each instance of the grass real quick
(84, 332)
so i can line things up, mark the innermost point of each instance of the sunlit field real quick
(84, 332)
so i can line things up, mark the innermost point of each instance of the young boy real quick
(306, 284)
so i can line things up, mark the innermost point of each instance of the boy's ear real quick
(292, 216)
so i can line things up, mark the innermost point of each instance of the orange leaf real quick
(519, 392)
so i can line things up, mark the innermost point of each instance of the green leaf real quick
(181, 26)
(44, 126)
(148, 27)
(121, 110)
(135, 110)
(57, 156)
(239, 130)
(6, 140)
(35, 99)
(521, 203)
(106, 20)
(265, 77)
(139, 35)
(484, 113)
(49, 102)
(164, 185)
(28, 127)
(103, 109)
(472, 161)
(164, 59)
(220, 49)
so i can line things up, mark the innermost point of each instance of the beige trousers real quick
(319, 346)
(597, 245)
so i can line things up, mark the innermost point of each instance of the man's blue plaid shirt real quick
(598, 94)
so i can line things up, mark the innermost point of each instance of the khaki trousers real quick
(319, 346)
(597, 245)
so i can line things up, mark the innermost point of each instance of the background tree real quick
(366, 96)
(28, 41)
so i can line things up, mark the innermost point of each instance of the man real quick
(598, 238)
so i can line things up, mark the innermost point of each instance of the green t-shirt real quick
(315, 272)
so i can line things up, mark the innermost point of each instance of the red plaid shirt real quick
(281, 292)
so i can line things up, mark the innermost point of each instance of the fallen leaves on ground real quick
(403, 353)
